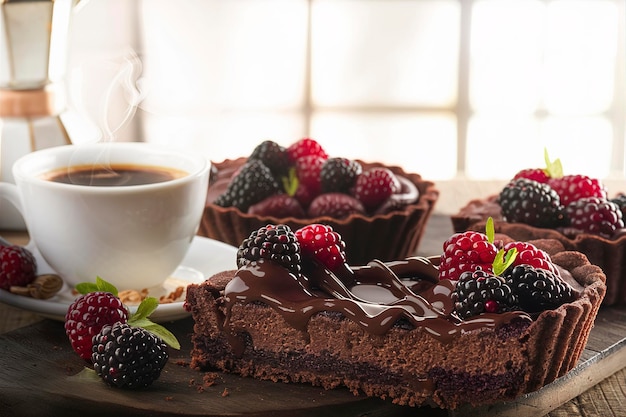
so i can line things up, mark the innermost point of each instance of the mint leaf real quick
(157, 330)
(291, 182)
(554, 169)
(503, 260)
(140, 318)
(86, 287)
(163, 333)
(99, 285)
(105, 286)
(147, 306)
(87, 374)
(490, 230)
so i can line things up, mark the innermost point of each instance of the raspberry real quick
(336, 205)
(128, 357)
(480, 292)
(339, 175)
(464, 252)
(536, 174)
(305, 147)
(595, 215)
(87, 315)
(574, 187)
(320, 242)
(277, 205)
(277, 243)
(537, 289)
(375, 186)
(528, 201)
(308, 169)
(18, 266)
(529, 254)
(304, 195)
(273, 156)
(253, 183)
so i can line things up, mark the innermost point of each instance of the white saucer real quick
(205, 257)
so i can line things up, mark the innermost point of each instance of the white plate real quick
(205, 257)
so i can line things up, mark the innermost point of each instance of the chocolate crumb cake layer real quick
(387, 329)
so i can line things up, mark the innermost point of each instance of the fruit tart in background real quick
(577, 210)
(379, 210)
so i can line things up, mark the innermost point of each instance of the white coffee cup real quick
(133, 236)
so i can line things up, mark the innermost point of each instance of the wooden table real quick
(35, 355)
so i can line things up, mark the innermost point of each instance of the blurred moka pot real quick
(33, 61)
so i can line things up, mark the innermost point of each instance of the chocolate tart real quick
(393, 235)
(386, 331)
(608, 254)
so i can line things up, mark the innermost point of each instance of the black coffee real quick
(113, 175)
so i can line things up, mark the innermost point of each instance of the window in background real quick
(545, 74)
(384, 81)
(452, 89)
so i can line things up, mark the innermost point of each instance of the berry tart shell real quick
(608, 254)
(393, 235)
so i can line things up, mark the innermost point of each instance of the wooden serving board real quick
(41, 375)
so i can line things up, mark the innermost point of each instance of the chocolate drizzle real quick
(375, 296)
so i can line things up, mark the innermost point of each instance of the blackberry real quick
(273, 156)
(253, 183)
(537, 289)
(277, 243)
(479, 292)
(527, 201)
(339, 175)
(128, 357)
(620, 200)
(595, 215)
(224, 200)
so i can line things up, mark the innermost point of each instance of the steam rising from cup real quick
(106, 94)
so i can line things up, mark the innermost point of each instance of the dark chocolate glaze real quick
(411, 288)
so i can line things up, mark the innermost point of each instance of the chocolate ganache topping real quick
(375, 296)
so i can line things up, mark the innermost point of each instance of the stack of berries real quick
(126, 350)
(495, 278)
(490, 278)
(303, 181)
(572, 204)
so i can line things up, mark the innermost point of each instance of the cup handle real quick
(9, 191)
